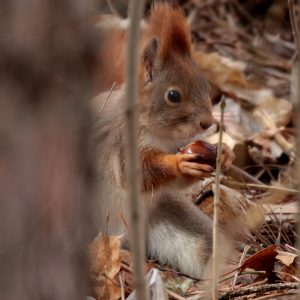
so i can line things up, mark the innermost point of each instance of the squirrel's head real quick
(176, 97)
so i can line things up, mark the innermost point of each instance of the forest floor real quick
(247, 51)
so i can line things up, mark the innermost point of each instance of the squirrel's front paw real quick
(227, 157)
(189, 168)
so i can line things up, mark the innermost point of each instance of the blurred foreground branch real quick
(215, 277)
(296, 98)
(137, 223)
(46, 59)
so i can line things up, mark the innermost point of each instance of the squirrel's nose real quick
(206, 124)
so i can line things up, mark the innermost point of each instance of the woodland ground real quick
(247, 51)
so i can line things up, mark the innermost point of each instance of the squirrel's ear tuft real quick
(150, 58)
(170, 26)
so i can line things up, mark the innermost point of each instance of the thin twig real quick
(109, 94)
(246, 249)
(236, 171)
(112, 8)
(121, 279)
(275, 296)
(296, 96)
(286, 146)
(137, 226)
(216, 202)
(289, 275)
(126, 268)
(283, 232)
(259, 289)
(235, 184)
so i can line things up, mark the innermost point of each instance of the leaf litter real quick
(246, 50)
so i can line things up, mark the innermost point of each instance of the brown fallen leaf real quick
(221, 71)
(104, 265)
(286, 273)
(263, 260)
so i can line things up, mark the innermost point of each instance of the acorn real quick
(207, 153)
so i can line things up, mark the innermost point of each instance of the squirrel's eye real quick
(173, 97)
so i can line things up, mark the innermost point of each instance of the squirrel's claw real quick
(187, 167)
(227, 157)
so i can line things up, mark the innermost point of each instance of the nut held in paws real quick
(207, 152)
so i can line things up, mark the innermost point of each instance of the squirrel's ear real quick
(150, 58)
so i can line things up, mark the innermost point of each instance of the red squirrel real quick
(174, 107)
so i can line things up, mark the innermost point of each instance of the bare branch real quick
(296, 95)
(216, 201)
(137, 226)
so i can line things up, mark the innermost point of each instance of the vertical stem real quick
(216, 201)
(296, 99)
(137, 226)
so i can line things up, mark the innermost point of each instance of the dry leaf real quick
(221, 71)
(263, 260)
(285, 266)
(241, 122)
(264, 149)
(286, 273)
(279, 110)
(286, 258)
(104, 265)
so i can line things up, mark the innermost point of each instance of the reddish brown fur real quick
(111, 57)
(166, 62)
(166, 23)
(170, 27)
(158, 168)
